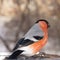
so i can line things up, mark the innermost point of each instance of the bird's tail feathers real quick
(14, 55)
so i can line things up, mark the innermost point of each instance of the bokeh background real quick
(17, 17)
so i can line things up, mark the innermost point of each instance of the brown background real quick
(17, 16)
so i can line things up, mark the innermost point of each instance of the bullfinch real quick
(33, 41)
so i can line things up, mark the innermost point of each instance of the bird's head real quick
(43, 24)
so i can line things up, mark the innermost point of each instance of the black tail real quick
(14, 55)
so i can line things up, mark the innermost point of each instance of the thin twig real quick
(5, 43)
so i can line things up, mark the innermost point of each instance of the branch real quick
(41, 55)
(45, 55)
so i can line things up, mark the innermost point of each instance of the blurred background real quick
(17, 17)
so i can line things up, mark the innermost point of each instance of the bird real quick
(33, 41)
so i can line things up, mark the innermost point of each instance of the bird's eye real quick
(38, 37)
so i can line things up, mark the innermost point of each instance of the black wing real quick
(27, 42)
(23, 42)
(18, 43)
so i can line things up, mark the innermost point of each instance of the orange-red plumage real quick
(39, 44)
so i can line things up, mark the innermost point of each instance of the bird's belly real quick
(27, 51)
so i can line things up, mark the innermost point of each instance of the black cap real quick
(44, 21)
